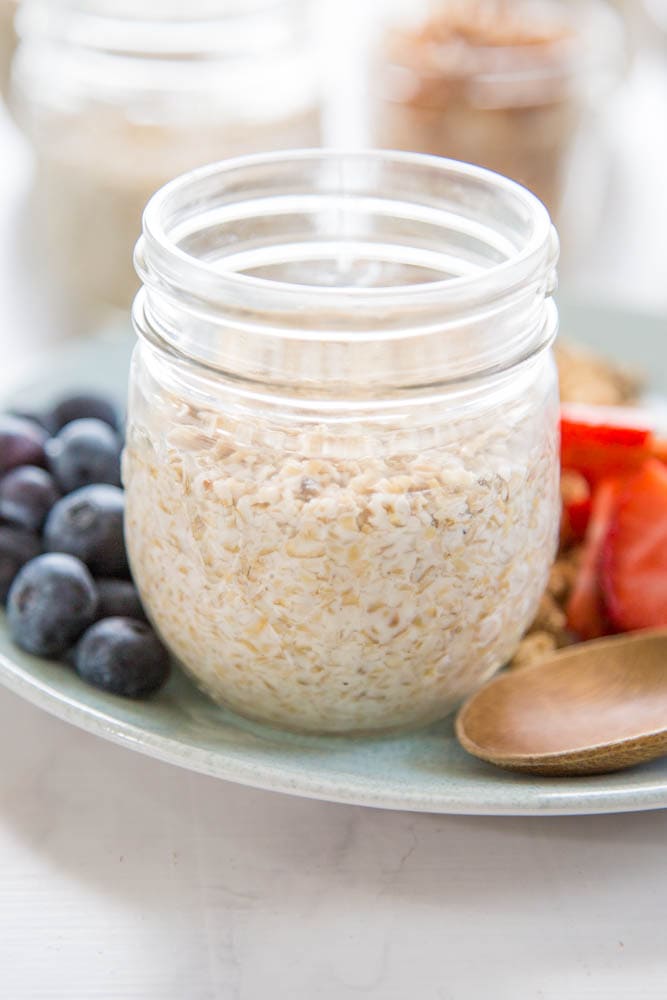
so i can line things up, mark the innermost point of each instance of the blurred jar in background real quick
(118, 96)
(507, 84)
(656, 10)
(8, 10)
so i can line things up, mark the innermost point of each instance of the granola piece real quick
(585, 377)
(550, 617)
(534, 649)
(563, 576)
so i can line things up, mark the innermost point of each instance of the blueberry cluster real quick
(64, 574)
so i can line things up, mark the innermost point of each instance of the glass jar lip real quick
(149, 30)
(159, 258)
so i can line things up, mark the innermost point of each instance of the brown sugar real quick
(487, 82)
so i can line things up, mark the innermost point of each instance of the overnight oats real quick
(506, 84)
(342, 455)
(118, 98)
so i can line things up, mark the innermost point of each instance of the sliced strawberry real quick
(577, 501)
(576, 516)
(586, 613)
(634, 558)
(603, 441)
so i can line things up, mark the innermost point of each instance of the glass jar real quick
(342, 455)
(118, 96)
(507, 84)
(656, 10)
(8, 10)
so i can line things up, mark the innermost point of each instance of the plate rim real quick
(512, 802)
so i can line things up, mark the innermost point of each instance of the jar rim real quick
(105, 27)
(443, 272)
(157, 251)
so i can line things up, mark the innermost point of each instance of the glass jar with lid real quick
(118, 96)
(342, 457)
(507, 84)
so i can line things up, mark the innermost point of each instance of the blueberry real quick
(17, 547)
(21, 443)
(122, 656)
(32, 416)
(69, 657)
(27, 494)
(82, 406)
(52, 600)
(89, 524)
(85, 452)
(119, 599)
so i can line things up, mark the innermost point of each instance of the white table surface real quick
(125, 878)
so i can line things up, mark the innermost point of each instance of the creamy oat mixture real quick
(305, 583)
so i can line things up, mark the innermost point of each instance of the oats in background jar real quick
(117, 98)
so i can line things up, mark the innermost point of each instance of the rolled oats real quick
(337, 594)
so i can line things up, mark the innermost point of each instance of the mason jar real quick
(507, 84)
(8, 10)
(656, 13)
(119, 96)
(342, 456)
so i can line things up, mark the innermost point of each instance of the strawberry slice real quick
(634, 558)
(578, 514)
(577, 501)
(586, 612)
(603, 441)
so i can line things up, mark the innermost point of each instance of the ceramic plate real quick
(426, 771)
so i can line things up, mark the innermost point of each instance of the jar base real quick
(286, 728)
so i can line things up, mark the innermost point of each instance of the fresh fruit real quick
(27, 494)
(17, 547)
(55, 607)
(577, 501)
(122, 656)
(576, 516)
(634, 557)
(586, 612)
(32, 416)
(83, 453)
(89, 524)
(51, 601)
(119, 599)
(600, 442)
(21, 443)
(82, 406)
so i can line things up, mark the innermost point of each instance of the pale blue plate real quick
(427, 771)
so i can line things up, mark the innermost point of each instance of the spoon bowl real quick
(595, 708)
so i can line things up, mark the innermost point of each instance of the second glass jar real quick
(117, 98)
(506, 84)
(8, 10)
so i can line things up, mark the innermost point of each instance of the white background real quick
(124, 878)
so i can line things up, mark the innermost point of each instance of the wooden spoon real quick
(598, 707)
